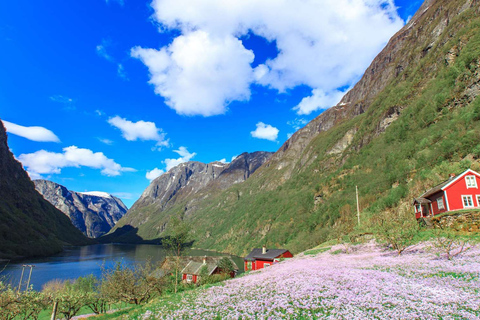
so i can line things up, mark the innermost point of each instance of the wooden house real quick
(457, 193)
(192, 271)
(260, 258)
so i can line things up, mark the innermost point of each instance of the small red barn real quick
(457, 193)
(260, 258)
(191, 272)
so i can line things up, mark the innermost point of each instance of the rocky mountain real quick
(93, 213)
(186, 185)
(412, 119)
(29, 225)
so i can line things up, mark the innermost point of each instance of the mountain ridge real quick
(94, 213)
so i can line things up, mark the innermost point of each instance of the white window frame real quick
(471, 201)
(418, 208)
(471, 182)
(478, 200)
(267, 264)
(440, 203)
(189, 278)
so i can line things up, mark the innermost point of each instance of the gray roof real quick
(422, 201)
(269, 255)
(195, 268)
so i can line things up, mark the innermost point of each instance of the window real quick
(478, 200)
(266, 264)
(467, 201)
(189, 278)
(440, 203)
(419, 208)
(471, 181)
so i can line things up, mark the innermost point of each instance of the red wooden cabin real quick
(260, 258)
(457, 193)
(191, 272)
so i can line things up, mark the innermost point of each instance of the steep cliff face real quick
(29, 225)
(186, 185)
(93, 213)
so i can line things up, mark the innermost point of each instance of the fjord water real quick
(76, 262)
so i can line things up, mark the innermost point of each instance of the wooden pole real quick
(30, 275)
(21, 278)
(358, 205)
(54, 311)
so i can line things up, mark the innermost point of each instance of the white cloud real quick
(121, 72)
(265, 131)
(199, 74)
(318, 100)
(155, 173)
(234, 157)
(106, 141)
(39, 134)
(140, 130)
(184, 157)
(321, 44)
(45, 162)
(297, 123)
(68, 103)
(224, 160)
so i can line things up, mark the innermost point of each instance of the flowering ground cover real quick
(367, 283)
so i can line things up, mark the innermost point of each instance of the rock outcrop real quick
(93, 213)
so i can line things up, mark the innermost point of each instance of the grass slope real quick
(436, 133)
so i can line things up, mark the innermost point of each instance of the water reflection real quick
(76, 262)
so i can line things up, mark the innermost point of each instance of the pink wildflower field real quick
(367, 282)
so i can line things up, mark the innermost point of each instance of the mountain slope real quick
(184, 186)
(411, 120)
(29, 225)
(94, 213)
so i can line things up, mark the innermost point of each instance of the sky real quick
(106, 95)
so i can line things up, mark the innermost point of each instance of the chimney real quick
(452, 175)
(264, 249)
(204, 259)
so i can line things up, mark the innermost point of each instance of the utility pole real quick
(30, 275)
(358, 205)
(21, 278)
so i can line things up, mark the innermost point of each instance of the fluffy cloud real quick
(322, 44)
(184, 157)
(140, 130)
(155, 173)
(39, 134)
(199, 74)
(318, 100)
(45, 162)
(265, 131)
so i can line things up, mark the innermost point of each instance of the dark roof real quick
(269, 255)
(169, 263)
(422, 201)
(195, 267)
(436, 189)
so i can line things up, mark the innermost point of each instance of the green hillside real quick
(413, 130)
(29, 225)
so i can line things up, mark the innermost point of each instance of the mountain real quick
(186, 185)
(412, 119)
(93, 213)
(29, 225)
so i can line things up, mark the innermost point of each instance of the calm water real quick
(76, 262)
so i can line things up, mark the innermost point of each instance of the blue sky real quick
(119, 88)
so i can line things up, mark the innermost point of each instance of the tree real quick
(32, 303)
(68, 295)
(9, 306)
(226, 265)
(397, 229)
(177, 242)
(450, 243)
(130, 285)
(95, 299)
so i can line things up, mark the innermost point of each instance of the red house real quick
(457, 193)
(191, 272)
(260, 258)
